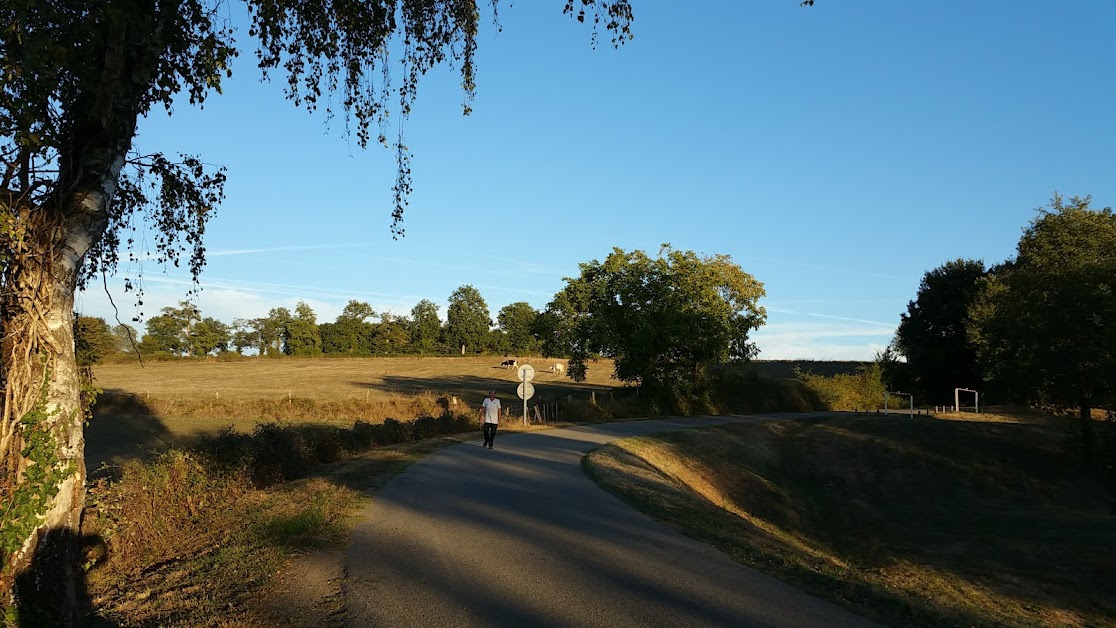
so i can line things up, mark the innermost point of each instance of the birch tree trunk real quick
(42, 445)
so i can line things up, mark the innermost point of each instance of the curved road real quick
(519, 536)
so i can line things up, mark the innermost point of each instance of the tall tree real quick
(1045, 323)
(78, 77)
(243, 335)
(169, 332)
(392, 335)
(663, 319)
(272, 328)
(126, 338)
(517, 321)
(467, 320)
(426, 327)
(93, 340)
(933, 333)
(207, 336)
(351, 332)
(301, 336)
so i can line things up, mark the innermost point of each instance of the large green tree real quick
(425, 327)
(93, 340)
(663, 319)
(517, 321)
(352, 331)
(301, 337)
(271, 329)
(169, 332)
(209, 335)
(467, 320)
(933, 333)
(1045, 322)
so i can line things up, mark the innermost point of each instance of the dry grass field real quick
(148, 408)
(326, 379)
(973, 520)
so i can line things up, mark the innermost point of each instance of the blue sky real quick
(836, 153)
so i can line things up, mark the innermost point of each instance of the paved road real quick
(518, 536)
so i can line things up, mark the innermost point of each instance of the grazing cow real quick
(509, 364)
(558, 369)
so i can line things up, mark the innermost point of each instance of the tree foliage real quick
(517, 322)
(467, 320)
(933, 333)
(170, 331)
(663, 319)
(300, 336)
(93, 340)
(1045, 322)
(425, 327)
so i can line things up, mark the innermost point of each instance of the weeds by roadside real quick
(189, 537)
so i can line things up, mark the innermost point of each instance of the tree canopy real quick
(1045, 322)
(662, 319)
(517, 322)
(933, 333)
(467, 319)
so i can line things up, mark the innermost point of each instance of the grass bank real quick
(911, 521)
(181, 541)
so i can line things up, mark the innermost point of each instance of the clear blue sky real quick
(836, 153)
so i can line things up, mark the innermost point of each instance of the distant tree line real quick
(183, 332)
(1037, 328)
(664, 320)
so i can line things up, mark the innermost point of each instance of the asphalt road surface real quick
(519, 536)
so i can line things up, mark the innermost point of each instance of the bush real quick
(391, 432)
(862, 390)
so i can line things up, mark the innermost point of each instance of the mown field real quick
(150, 407)
(974, 521)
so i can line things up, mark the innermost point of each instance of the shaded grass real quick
(913, 522)
(187, 541)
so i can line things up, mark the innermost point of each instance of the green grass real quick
(913, 522)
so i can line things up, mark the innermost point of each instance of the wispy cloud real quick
(830, 317)
(829, 269)
(281, 249)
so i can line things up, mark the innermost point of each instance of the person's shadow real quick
(52, 592)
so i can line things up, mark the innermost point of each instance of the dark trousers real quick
(489, 433)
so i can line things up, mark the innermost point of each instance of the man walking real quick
(490, 417)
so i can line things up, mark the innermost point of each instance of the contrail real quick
(281, 249)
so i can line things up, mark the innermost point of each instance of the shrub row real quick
(279, 452)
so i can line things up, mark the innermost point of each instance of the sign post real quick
(526, 390)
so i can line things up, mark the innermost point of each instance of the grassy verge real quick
(912, 522)
(188, 539)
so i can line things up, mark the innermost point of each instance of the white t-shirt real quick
(491, 409)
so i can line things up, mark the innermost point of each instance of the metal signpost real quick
(526, 390)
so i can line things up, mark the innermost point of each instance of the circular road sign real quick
(526, 373)
(525, 391)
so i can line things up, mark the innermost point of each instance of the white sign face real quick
(526, 373)
(525, 390)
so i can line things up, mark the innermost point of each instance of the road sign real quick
(525, 391)
(526, 373)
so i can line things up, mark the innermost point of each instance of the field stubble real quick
(161, 404)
